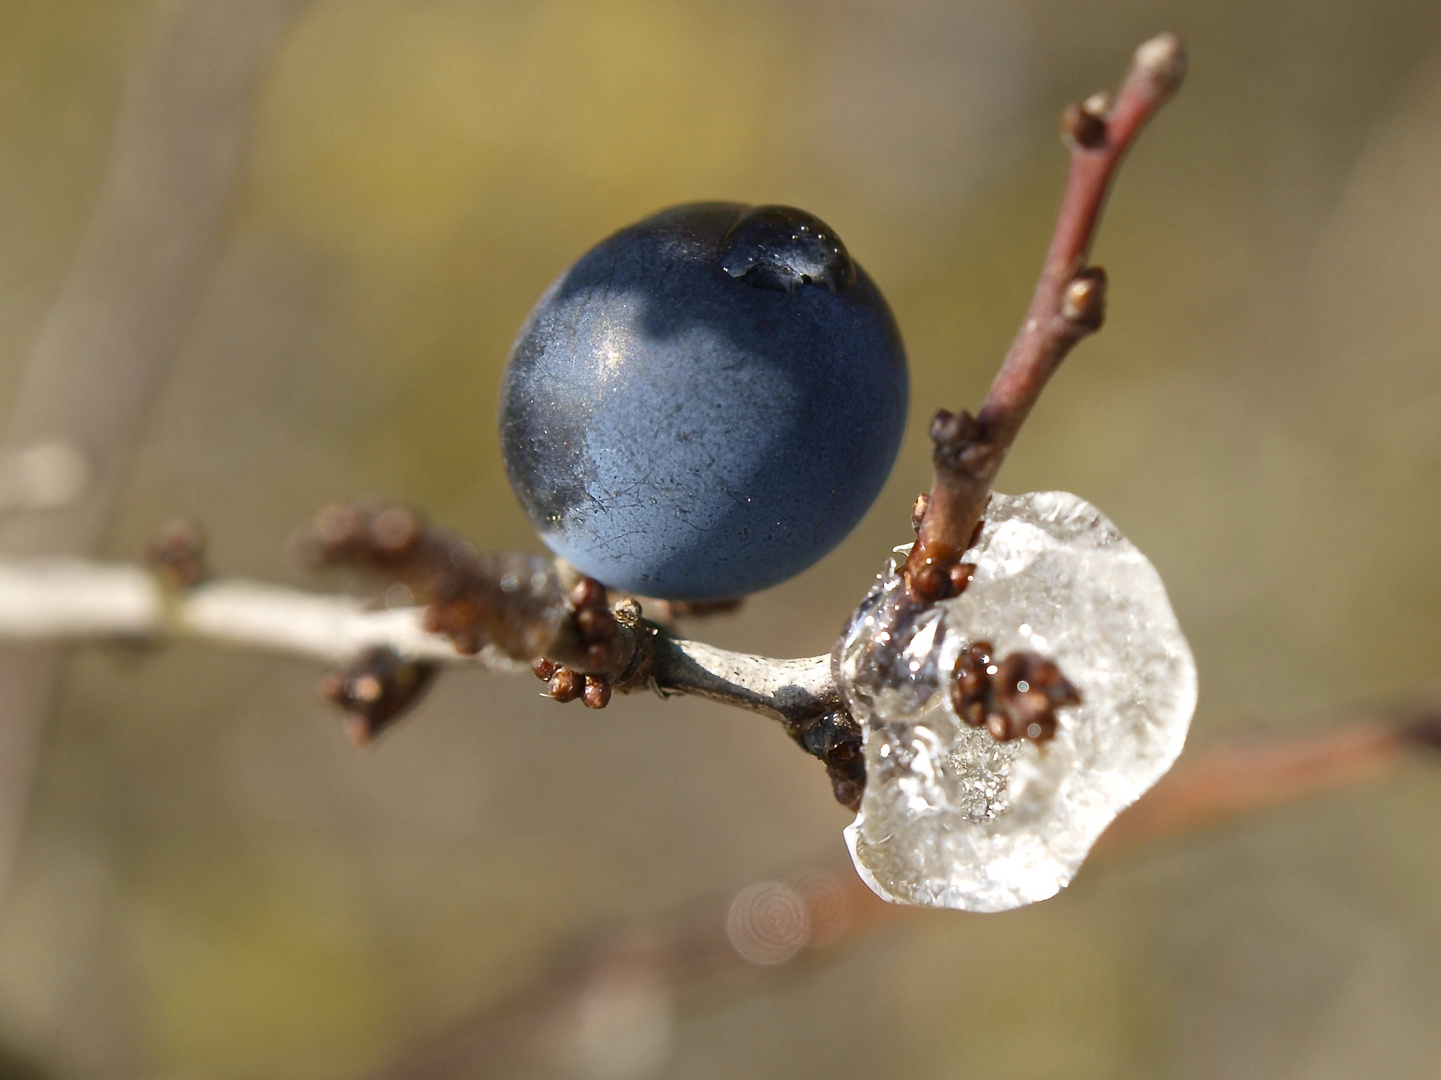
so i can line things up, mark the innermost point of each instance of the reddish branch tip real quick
(1163, 60)
(1069, 303)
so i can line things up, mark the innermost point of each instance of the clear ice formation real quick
(953, 818)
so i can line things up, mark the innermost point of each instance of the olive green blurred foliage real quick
(215, 885)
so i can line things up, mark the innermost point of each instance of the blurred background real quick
(211, 883)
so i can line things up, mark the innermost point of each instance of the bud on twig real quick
(1162, 60)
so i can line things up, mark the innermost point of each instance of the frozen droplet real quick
(953, 818)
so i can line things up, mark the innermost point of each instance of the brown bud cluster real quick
(566, 684)
(596, 627)
(376, 691)
(836, 740)
(961, 444)
(939, 581)
(473, 599)
(376, 535)
(177, 554)
(1014, 698)
(595, 623)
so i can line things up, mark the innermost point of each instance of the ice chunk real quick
(951, 817)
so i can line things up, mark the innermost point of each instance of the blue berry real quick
(705, 403)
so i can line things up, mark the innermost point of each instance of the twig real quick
(714, 945)
(1068, 304)
(787, 690)
(540, 611)
(77, 600)
(1250, 775)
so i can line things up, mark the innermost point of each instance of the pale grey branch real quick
(786, 690)
(76, 600)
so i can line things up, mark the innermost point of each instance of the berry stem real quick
(1069, 304)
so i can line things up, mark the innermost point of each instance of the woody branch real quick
(76, 600)
(1068, 304)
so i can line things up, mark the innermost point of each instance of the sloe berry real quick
(705, 403)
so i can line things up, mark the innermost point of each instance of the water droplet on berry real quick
(780, 247)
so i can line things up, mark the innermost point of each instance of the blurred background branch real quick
(600, 1003)
(107, 339)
